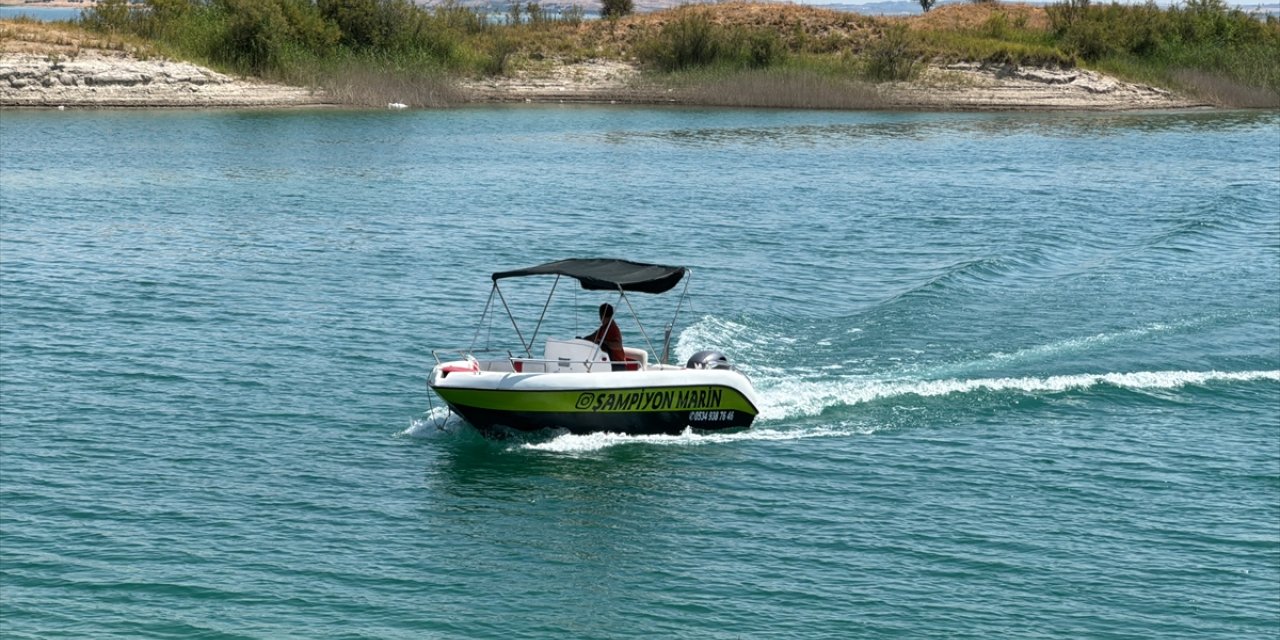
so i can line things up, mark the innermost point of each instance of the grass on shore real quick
(783, 87)
(28, 35)
(729, 53)
(1203, 47)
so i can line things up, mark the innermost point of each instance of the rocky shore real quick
(981, 87)
(114, 79)
(103, 79)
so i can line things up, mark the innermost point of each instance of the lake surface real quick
(1020, 375)
(43, 14)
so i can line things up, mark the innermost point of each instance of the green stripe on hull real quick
(492, 421)
(637, 400)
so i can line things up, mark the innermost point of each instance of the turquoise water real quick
(1020, 375)
(43, 14)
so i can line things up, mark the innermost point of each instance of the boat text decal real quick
(711, 416)
(663, 400)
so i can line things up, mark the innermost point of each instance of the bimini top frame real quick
(599, 274)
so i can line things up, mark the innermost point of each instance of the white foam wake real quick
(806, 398)
(570, 443)
(788, 399)
(710, 332)
(437, 420)
(796, 399)
(752, 348)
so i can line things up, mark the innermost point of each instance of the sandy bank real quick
(54, 65)
(975, 86)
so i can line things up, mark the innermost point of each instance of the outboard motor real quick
(708, 360)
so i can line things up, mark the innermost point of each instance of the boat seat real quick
(637, 355)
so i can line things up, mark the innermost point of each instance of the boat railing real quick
(521, 364)
(561, 365)
(462, 353)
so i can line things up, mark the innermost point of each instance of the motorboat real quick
(572, 384)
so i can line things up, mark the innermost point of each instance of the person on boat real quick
(609, 337)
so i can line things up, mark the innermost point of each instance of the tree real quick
(535, 13)
(260, 32)
(108, 15)
(927, 5)
(372, 24)
(616, 8)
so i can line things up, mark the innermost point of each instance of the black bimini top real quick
(605, 274)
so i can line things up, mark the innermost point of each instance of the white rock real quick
(124, 78)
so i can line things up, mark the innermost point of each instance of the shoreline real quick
(110, 79)
(954, 87)
(97, 79)
(38, 73)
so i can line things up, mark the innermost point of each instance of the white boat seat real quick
(570, 356)
(638, 355)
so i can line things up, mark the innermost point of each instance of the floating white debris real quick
(397, 105)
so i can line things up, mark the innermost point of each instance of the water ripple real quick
(1019, 375)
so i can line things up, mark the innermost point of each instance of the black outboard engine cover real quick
(708, 360)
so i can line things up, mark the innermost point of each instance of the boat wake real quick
(569, 443)
(784, 399)
(789, 400)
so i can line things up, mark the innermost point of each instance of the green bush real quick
(370, 23)
(1159, 44)
(892, 56)
(295, 40)
(260, 33)
(764, 49)
(163, 17)
(688, 41)
(109, 16)
(1095, 31)
(693, 41)
(616, 8)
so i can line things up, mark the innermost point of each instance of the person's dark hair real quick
(606, 310)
